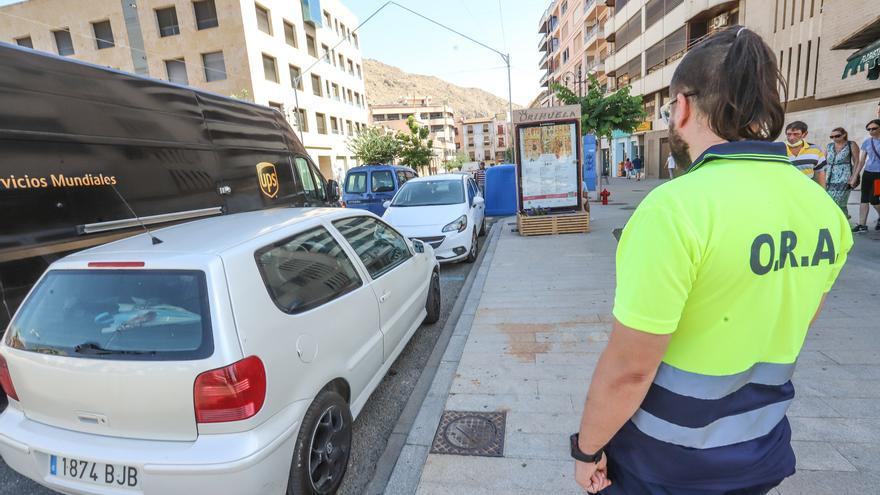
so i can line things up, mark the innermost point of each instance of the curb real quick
(399, 468)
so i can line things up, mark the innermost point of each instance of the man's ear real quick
(683, 112)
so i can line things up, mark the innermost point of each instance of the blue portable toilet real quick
(589, 149)
(501, 190)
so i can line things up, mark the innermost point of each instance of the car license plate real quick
(94, 472)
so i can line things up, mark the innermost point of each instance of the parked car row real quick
(445, 211)
(231, 357)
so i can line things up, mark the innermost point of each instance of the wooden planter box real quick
(562, 223)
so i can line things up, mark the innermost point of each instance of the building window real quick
(215, 67)
(357, 44)
(264, 21)
(317, 89)
(350, 96)
(176, 70)
(302, 120)
(25, 41)
(325, 54)
(322, 123)
(629, 31)
(279, 107)
(270, 69)
(295, 77)
(206, 14)
(358, 66)
(311, 45)
(350, 67)
(63, 42)
(290, 34)
(564, 7)
(357, 99)
(167, 19)
(103, 34)
(328, 20)
(334, 125)
(341, 62)
(335, 91)
(565, 56)
(349, 127)
(472, 156)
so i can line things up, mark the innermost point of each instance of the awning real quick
(867, 58)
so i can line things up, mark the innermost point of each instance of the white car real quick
(231, 358)
(446, 211)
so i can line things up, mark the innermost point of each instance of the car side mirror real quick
(479, 201)
(332, 191)
(418, 246)
(386, 204)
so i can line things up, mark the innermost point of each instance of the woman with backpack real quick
(842, 155)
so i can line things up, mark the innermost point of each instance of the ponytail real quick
(738, 81)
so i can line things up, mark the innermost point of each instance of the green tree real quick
(416, 150)
(456, 163)
(373, 146)
(602, 114)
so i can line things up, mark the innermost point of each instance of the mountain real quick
(386, 85)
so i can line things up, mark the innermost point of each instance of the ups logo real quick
(268, 179)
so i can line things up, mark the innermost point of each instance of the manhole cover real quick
(470, 433)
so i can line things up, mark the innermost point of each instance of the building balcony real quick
(589, 6)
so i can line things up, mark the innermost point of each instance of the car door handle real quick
(384, 296)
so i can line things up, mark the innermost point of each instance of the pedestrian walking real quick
(869, 162)
(807, 157)
(480, 177)
(841, 154)
(670, 165)
(691, 392)
(638, 166)
(628, 167)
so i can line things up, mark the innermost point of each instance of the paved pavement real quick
(532, 340)
(377, 419)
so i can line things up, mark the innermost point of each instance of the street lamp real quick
(567, 78)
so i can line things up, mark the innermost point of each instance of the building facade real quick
(646, 39)
(572, 40)
(438, 117)
(258, 51)
(485, 139)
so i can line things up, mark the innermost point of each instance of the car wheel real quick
(432, 306)
(483, 228)
(320, 456)
(472, 254)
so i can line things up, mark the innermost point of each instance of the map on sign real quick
(549, 166)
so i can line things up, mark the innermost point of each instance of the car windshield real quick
(116, 314)
(430, 193)
(356, 183)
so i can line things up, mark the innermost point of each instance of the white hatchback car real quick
(446, 211)
(230, 359)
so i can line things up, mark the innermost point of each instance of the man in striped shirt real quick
(480, 177)
(807, 157)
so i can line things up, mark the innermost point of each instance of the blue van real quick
(368, 186)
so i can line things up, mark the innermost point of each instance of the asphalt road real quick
(377, 419)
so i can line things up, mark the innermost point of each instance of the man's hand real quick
(592, 477)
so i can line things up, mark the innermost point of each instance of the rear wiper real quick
(95, 349)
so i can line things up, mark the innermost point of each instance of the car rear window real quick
(382, 181)
(356, 183)
(160, 315)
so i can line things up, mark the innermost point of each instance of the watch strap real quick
(579, 455)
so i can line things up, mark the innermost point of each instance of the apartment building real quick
(572, 40)
(485, 139)
(817, 42)
(438, 117)
(393, 127)
(252, 50)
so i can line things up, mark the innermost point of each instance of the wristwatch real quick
(580, 456)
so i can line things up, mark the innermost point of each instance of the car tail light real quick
(233, 393)
(116, 264)
(6, 379)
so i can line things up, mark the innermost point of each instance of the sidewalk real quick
(533, 334)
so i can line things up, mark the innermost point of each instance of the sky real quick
(399, 38)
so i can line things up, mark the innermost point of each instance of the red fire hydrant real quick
(605, 194)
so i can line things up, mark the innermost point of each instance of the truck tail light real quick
(6, 379)
(233, 393)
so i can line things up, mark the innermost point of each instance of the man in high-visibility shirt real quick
(736, 256)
